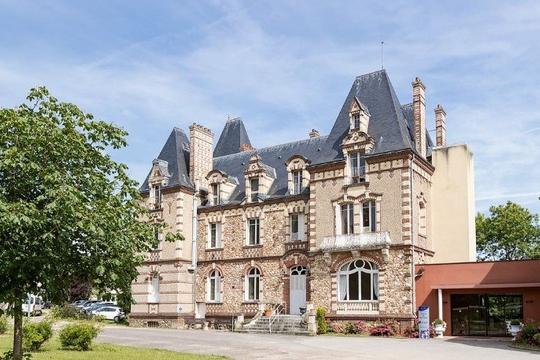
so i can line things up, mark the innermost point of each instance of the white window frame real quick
(297, 178)
(299, 235)
(213, 287)
(349, 219)
(357, 165)
(256, 234)
(371, 207)
(255, 274)
(156, 195)
(217, 241)
(356, 120)
(254, 194)
(153, 289)
(344, 275)
(216, 194)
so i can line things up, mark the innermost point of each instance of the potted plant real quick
(515, 327)
(439, 326)
(268, 310)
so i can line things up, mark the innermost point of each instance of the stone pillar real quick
(440, 126)
(419, 115)
(200, 154)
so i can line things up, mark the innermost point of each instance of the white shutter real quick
(301, 235)
(338, 219)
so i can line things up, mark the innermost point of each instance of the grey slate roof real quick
(233, 135)
(176, 153)
(390, 126)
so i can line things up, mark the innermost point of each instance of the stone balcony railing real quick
(362, 241)
(356, 307)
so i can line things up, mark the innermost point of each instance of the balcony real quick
(363, 241)
(357, 307)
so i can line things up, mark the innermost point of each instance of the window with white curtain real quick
(214, 235)
(253, 283)
(297, 226)
(153, 289)
(214, 287)
(369, 222)
(254, 232)
(358, 167)
(347, 219)
(216, 196)
(358, 280)
(297, 182)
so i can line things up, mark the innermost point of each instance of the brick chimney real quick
(314, 133)
(201, 140)
(440, 125)
(419, 114)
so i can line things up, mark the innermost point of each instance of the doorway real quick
(297, 289)
(484, 314)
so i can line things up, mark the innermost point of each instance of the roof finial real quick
(382, 55)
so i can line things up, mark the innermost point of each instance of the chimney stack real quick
(440, 125)
(314, 133)
(201, 159)
(419, 114)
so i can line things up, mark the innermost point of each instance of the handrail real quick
(277, 309)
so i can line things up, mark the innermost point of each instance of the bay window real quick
(358, 280)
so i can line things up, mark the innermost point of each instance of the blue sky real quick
(285, 67)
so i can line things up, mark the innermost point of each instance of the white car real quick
(32, 305)
(109, 312)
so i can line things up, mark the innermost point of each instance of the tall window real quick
(216, 197)
(254, 232)
(253, 282)
(358, 167)
(156, 192)
(153, 290)
(297, 227)
(356, 121)
(254, 189)
(369, 223)
(214, 287)
(347, 219)
(157, 239)
(297, 182)
(358, 280)
(214, 238)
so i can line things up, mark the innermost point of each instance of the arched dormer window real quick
(213, 287)
(358, 116)
(221, 186)
(298, 176)
(259, 178)
(358, 280)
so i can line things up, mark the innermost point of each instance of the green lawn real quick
(51, 351)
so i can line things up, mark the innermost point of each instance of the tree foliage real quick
(509, 232)
(68, 211)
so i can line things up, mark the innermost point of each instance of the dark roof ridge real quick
(358, 77)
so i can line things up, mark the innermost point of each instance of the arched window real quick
(253, 284)
(358, 280)
(213, 292)
(153, 289)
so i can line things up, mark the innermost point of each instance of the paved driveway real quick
(255, 346)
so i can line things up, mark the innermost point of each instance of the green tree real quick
(510, 232)
(67, 210)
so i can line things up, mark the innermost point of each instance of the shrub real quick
(8, 355)
(35, 334)
(387, 328)
(3, 324)
(536, 338)
(78, 336)
(527, 333)
(349, 328)
(336, 327)
(322, 326)
(361, 327)
(515, 322)
(67, 312)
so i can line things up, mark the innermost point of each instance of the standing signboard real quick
(423, 322)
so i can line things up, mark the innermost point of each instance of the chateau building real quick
(337, 221)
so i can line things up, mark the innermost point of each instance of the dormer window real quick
(216, 198)
(254, 183)
(358, 167)
(356, 120)
(297, 182)
(156, 193)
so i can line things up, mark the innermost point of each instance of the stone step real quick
(280, 332)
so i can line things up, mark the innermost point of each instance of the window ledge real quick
(295, 241)
(252, 246)
(214, 249)
(251, 302)
(357, 184)
(214, 302)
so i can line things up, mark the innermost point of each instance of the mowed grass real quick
(51, 350)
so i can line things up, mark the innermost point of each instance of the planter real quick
(514, 329)
(439, 330)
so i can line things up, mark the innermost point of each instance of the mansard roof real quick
(176, 153)
(233, 136)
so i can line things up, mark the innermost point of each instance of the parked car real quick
(79, 303)
(89, 303)
(113, 313)
(32, 305)
(96, 306)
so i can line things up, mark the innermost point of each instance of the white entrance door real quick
(297, 291)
